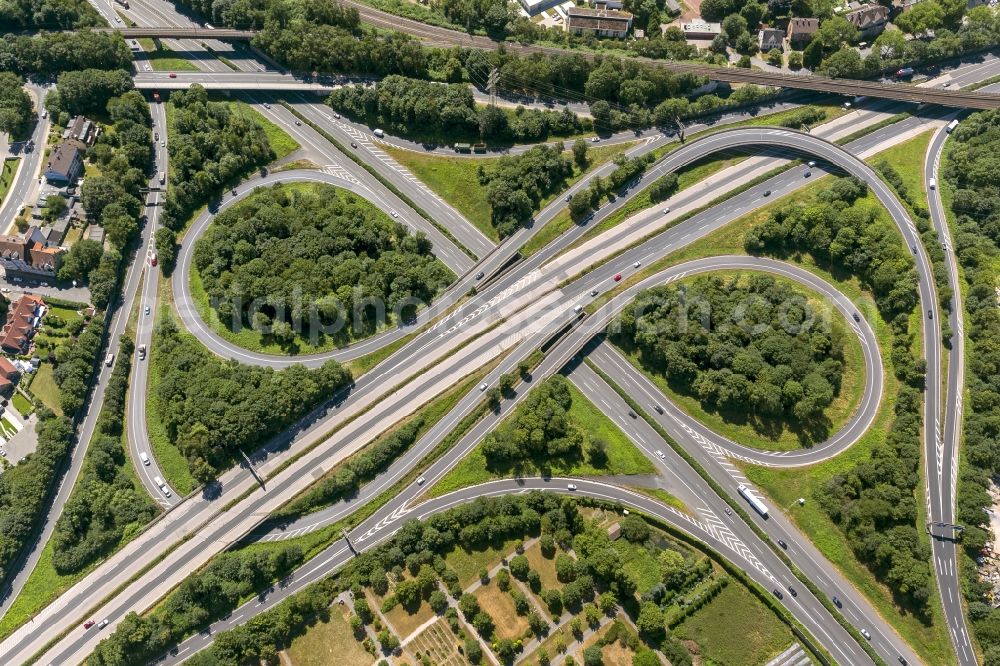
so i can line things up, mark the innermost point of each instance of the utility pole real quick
(491, 85)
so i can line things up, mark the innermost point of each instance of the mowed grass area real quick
(468, 563)
(44, 388)
(736, 426)
(500, 606)
(736, 629)
(545, 567)
(623, 458)
(328, 643)
(785, 487)
(163, 59)
(908, 159)
(281, 142)
(22, 404)
(455, 179)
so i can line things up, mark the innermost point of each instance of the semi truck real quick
(757, 505)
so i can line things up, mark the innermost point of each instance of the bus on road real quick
(752, 499)
(951, 126)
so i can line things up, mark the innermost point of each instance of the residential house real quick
(533, 7)
(698, 29)
(8, 375)
(598, 22)
(771, 38)
(801, 31)
(31, 255)
(22, 320)
(870, 20)
(83, 130)
(65, 162)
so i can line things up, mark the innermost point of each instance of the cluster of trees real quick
(88, 91)
(211, 144)
(806, 116)
(16, 109)
(111, 197)
(211, 408)
(627, 171)
(415, 107)
(52, 14)
(750, 346)
(75, 366)
(24, 487)
(105, 503)
(972, 170)
(516, 185)
(51, 53)
(873, 501)
(358, 469)
(216, 590)
(540, 429)
(841, 228)
(289, 261)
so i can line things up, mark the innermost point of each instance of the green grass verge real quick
(838, 413)
(623, 457)
(763, 637)
(162, 59)
(457, 182)
(281, 142)
(7, 177)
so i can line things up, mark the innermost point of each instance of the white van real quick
(932, 183)
(379, 133)
(158, 481)
(144, 458)
(109, 360)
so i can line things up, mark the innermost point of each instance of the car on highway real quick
(480, 275)
(767, 193)
(299, 123)
(109, 360)
(637, 264)
(482, 387)
(660, 454)
(618, 278)
(836, 602)
(142, 352)
(857, 317)
(337, 116)
(3, 454)
(156, 136)
(867, 634)
(420, 480)
(792, 591)
(807, 174)
(781, 542)
(666, 210)
(103, 623)
(930, 314)
(353, 145)
(900, 658)
(659, 410)
(632, 414)
(88, 624)
(729, 511)
(163, 144)
(778, 593)
(266, 105)
(595, 139)
(379, 133)
(144, 457)
(173, 75)
(593, 292)
(569, 197)
(393, 213)
(577, 309)
(146, 310)
(571, 486)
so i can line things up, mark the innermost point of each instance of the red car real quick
(172, 75)
(88, 624)
(618, 278)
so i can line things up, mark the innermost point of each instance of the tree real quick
(635, 529)
(812, 56)
(592, 656)
(845, 63)
(795, 60)
(775, 57)
(580, 153)
(921, 17)
(580, 205)
(650, 622)
(519, 567)
(835, 32)
(735, 26)
(473, 652)
(600, 111)
(16, 108)
(492, 122)
(82, 258)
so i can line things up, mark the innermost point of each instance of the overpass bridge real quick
(184, 33)
(229, 81)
